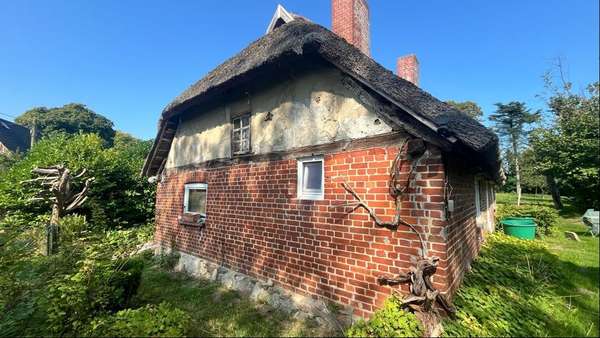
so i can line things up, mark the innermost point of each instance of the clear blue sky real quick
(128, 59)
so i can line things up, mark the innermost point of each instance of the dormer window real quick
(240, 136)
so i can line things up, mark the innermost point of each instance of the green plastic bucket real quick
(520, 227)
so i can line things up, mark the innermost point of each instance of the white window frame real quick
(241, 131)
(477, 204)
(310, 195)
(186, 195)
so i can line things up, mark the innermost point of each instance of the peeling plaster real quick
(313, 109)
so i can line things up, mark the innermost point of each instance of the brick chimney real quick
(407, 68)
(350, 20)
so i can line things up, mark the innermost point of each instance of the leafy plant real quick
(389, 321)
(118, 196)
(511, 291)
(546, 218)
(151, 320)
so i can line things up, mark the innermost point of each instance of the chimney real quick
(407, 68)
(350, 20)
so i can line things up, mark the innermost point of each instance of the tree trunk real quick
(517, 172)
(52, 232)
(553, 187)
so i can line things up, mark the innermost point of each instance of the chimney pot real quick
(407, 68)
(350, 20)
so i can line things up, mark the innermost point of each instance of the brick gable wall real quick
(256, 225)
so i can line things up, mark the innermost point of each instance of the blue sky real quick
(128, 59)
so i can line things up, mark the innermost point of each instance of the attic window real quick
(240, 136)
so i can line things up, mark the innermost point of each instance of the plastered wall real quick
(313, 109)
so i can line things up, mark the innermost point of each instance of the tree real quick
(72, 118)
(57, 187)
(567, 151)
(468, 107)
(119, 197)
(511, 121)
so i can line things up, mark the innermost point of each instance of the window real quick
(194, 201)
(240, 137)
(310, 178)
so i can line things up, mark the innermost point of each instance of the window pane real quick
(236, 123)
(197, 201)
(245, 139)
(313, 172)
(245, 120)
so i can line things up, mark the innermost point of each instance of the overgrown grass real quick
(215, 311)
(544, 287)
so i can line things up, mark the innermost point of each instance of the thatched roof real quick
(14, 136)
(303, 39)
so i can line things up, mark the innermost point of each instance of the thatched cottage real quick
(304, 162)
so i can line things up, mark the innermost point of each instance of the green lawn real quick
(546, 287)
(216, 311)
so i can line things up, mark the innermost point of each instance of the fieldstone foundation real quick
(302, 307)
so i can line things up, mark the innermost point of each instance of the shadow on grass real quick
(214, 311)
(519, 288)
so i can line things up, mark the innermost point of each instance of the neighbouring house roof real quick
(14, 136)
(302, 38)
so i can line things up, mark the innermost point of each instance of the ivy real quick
(512, 290)
(389, 321)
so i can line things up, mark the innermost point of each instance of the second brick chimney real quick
(350, 20)
(407, 68)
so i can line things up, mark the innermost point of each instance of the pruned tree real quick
(423, 294)
(57, 185)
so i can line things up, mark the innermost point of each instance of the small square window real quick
(240, 136)
(311, 178)
(194, 201)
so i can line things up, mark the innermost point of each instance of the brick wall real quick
(256, 225)
(350, 20)
(407, 67)
(463, 235)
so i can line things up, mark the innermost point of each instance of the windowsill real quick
(238, 155)
(311, 197)
(193, 220)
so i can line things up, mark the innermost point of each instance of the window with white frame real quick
(311, 177)
(194, 200)
(240, 135)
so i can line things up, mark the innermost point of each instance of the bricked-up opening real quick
(407, 68)
(350, 20)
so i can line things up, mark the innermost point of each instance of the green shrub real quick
(96, 289)
(119, 196)
(151, 320)
(167, 261)
(389, 321)
(546, 218)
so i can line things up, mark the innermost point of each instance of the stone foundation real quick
(300, 306)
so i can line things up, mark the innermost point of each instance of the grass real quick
(546, 287)
(216, 311)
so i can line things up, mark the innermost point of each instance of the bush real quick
(546, 218)
(389, 321)
(119, 196)
(96, 289)
(151, 320)
(167, 261)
